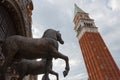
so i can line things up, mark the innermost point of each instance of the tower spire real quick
(98, 59)
(77, 9)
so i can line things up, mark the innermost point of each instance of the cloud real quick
(82, 76)
(114, 4)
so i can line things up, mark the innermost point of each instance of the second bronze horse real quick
(26, 67)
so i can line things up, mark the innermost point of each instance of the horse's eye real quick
(59, 34)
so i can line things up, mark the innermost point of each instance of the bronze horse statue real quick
(17, 47)
(26, 67)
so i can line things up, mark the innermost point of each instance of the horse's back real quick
(20, 42)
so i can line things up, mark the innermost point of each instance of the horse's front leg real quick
(67, 68)
(45, 77)
(54, 73)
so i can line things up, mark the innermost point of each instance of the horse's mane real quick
(47, 32)
(50, 33)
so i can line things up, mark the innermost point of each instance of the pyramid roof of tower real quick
(78, 10)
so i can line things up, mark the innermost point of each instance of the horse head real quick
(51, 33)
(59, 38)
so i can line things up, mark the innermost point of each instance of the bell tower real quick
(98, 60)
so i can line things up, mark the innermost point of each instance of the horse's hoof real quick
(65, 73)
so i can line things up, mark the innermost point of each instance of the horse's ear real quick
(58, 31)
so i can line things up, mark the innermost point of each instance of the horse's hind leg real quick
(5, 66)
(21, 77)
(7, 63)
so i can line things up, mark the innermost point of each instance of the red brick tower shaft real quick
(98, 60)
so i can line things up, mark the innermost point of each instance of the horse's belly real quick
(31, 54)
(37, 70)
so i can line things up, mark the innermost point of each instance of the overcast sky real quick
(59, 15)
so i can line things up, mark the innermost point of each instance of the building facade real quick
(98, 60)
(15, 19)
